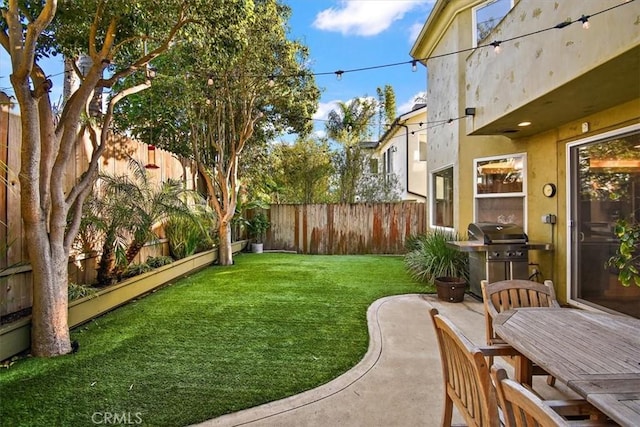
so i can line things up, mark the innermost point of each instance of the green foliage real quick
(378, 187)
(349, 125)
(627, 258)
(193, 234)
(124, 214)
(158, 261)
(431, 257)
(258, 226)
(77, 291)
(150, 264)
(135, 269)
(302, 171)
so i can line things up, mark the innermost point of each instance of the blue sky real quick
(341, 35)
(344, 35)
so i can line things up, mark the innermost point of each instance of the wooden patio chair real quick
(521, 407)
(507, 294)
(467, 381)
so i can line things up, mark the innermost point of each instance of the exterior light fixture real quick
(151, 157)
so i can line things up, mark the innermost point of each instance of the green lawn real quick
(224, 339)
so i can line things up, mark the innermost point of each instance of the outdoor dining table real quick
(596, 354)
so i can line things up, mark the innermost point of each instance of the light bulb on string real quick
(210, 81)
(496, 46)
(585, 22)
(339, 74)
(414, 65)
(271, 81)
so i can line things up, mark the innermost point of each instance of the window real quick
(373, 165)
(487, 16)
(423, 148)
(442, 198)
(390, 156)
(500, 189)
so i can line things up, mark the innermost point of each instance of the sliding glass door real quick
(605, 187)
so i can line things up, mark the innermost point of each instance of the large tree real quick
(302, 171)
(350, 125)
(232, 102)
(112, 34)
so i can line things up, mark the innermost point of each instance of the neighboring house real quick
(402, 151)
(551, 135)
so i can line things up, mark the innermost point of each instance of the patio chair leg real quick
(448, 411)
(551, 380)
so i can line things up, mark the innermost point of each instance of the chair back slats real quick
(521, 407)
(516, 293)
(466, 376)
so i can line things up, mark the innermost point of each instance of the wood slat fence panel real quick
(16, 283)
(344, 229)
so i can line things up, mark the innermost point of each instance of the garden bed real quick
(15, 337)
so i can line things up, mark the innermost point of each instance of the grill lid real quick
(494, 233)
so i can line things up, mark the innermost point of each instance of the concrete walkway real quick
(397, 383)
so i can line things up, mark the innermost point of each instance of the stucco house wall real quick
(560, 80)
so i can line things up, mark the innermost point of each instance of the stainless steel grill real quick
(502, 254)
(497, 252)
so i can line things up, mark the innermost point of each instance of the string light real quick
(585, 21)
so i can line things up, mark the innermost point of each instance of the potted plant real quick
(258, 226)
(431, 260)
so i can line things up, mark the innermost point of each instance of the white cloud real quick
(414, 32)
(418, 98)
(364, 18)
(324, 108)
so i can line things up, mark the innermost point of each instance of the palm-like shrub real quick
(430, 257)
(127, 210)
(189, 235)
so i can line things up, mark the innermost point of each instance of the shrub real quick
(189, 235)
(77, 291)
(431, 257)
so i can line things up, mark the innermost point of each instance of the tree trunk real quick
(225, 251)
(49, 262)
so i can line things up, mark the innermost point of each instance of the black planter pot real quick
(450, 289)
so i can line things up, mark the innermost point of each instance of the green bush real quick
(431, 257)
(190, 235)
(158, 261)
(77, 291)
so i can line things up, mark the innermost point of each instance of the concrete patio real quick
(397, 383)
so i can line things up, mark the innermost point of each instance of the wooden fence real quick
(15, 272)
(344, 229)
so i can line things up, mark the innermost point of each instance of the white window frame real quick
(568, 213)
(521, 194)
(474, 17)
(432, 196)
